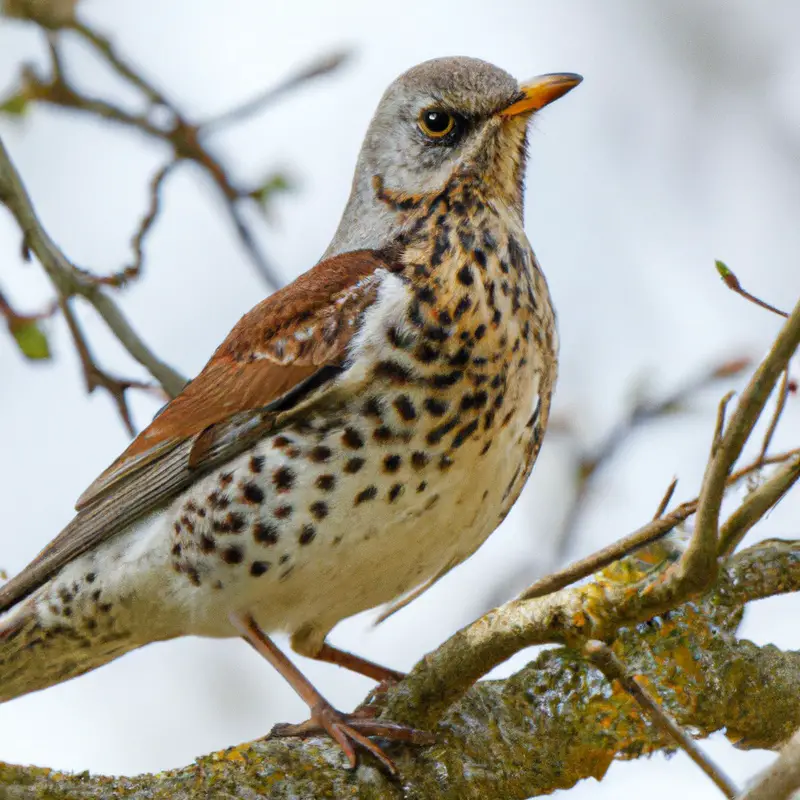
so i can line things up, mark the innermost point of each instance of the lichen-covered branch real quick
(554, 723)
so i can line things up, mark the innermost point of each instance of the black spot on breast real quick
(207, 544)
(382, 434)
(426, 295)
(252, 493)
(256, 464)
(392, 371)
(319, 509)
(353, 465)
(258, 568)
(414, 314)
(405, 408)
(464, 433)
(265, 533)
(284, 479)
(352, 438)
(435, 407)
(326, 482)
(480, 331)
(436, 333)
(372, 408)
(436, 434)
(370, 493)
(320, 454)
(464, 275)
(446, 379)
(425, 353)
(392, 462)
(460, 359)
(307, 534)
(283, 512)
(480, 257)
(395, 492)
(419, 459)
(218, 500)
(232, 555)
(464, 305)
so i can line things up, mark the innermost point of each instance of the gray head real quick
(442, 116)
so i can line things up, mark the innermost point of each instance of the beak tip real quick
(542, 91)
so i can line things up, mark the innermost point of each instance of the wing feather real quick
(288, 350)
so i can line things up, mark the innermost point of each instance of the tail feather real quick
(36, 653)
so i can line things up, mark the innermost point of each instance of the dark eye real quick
(435, 123)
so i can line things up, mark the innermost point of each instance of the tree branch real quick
(554, 723)
(70, 281)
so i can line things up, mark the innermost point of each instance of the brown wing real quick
(286, 349)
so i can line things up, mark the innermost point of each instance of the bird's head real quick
(445, 117)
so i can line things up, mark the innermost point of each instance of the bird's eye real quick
(436, 124)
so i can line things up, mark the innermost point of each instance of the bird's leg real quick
(333, 655)
(347, 731)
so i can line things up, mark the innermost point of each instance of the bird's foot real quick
(351, 730)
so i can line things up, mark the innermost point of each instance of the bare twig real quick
(108, 53)
(317, 68)
(71, 282)
(178, 132)
(781, 779)
(643, 412)
(604, 658)
(662, 506)
(645, 535)
(732, 282)
(783, 394)
(756, 505)
(94, 376)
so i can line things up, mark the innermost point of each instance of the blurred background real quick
(682, 146)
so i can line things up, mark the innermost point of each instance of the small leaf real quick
(722, 268)
(274, 184)
(14, 106)
(30, 339)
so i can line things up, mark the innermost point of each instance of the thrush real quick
(359, 433)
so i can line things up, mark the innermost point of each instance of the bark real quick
(554, 723)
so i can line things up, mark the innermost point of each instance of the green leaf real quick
(14, 106)
(278, 183)
(30, 339)
(722, 268)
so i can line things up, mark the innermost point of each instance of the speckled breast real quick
(412, 460)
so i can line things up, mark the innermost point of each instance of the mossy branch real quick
(554, 723)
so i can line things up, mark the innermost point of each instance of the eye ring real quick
(435, 123)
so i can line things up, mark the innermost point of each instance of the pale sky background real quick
(681, 146)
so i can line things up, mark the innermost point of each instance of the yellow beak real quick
(542, 91)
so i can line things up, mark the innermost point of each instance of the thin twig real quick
(70, 282)
(134, 269)
(178, 132)
(643, 412)
(318, 68)
(732, 282)
(697, 567)
(604, 658)
(662, 506)
(94, 376)
(651, 532)
(109, 54)
(756, 505)
(783, 394)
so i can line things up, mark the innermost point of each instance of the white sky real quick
(681, 146)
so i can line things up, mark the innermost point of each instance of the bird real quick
(358, 434)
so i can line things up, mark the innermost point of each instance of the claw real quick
(352, 729)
